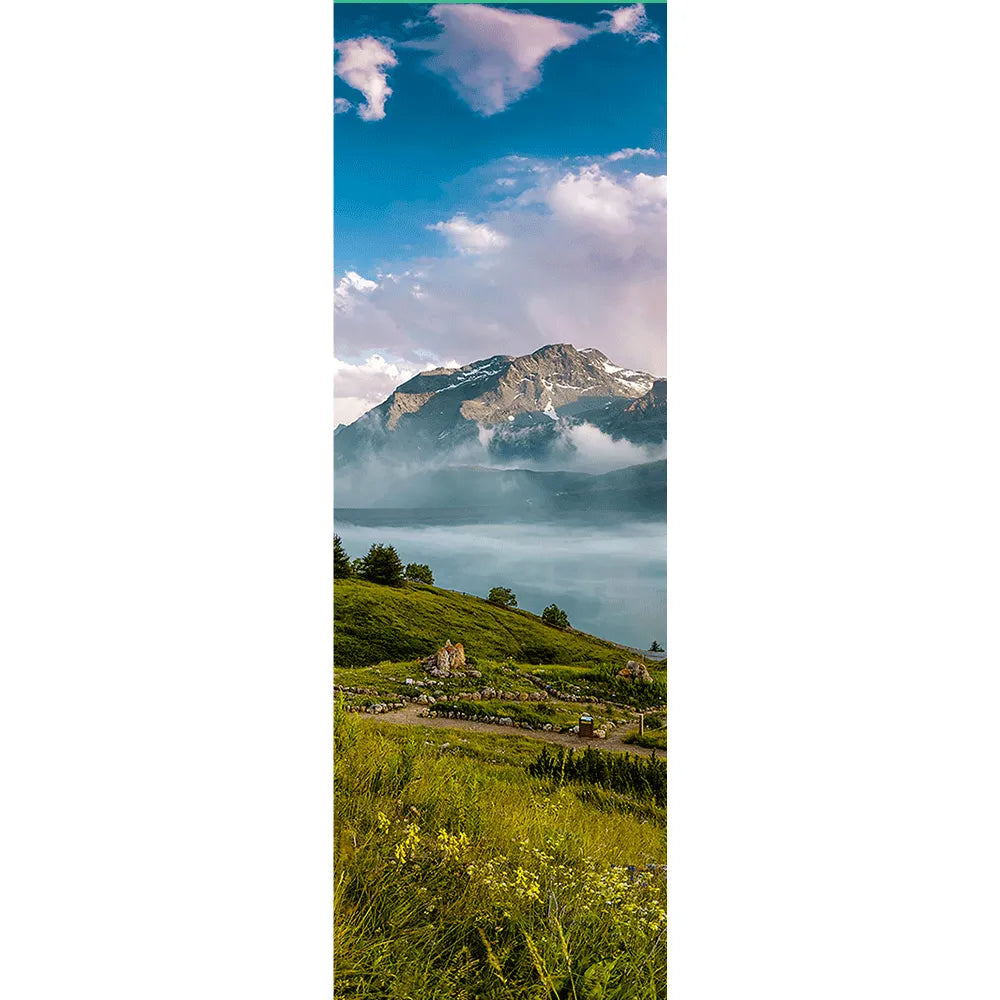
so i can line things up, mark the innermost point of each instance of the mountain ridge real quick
(510, 407)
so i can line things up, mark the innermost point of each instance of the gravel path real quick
(410, 716)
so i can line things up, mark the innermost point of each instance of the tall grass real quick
(457, 878)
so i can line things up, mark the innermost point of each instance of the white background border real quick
(165, 400)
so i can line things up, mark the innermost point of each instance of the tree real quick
(555, 616)
(655, 647)
(419, 572)
(382, 565)
(341, 560)
(503, 597)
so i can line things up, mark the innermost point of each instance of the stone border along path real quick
(614, 742)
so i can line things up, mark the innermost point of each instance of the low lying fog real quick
(579, 448)
(610, 581)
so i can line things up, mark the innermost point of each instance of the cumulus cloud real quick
(470, 237)
(349, 286)
(341, 104)
(582, 261)
(590, 197)
(492, 56)
(362, 64)
(631, 21)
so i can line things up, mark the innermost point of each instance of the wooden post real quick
(642, 723)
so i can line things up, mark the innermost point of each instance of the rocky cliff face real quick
(641, 421)
(510, 405)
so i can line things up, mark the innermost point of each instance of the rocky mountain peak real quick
(505, 396)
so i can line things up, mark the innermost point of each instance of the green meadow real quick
(479, 866)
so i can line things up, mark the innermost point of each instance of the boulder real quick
(448, 658)
(639, 671)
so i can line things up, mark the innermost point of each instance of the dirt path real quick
(615, 742)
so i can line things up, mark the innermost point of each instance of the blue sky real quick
(473, 146)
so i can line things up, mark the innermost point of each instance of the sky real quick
(499, 185)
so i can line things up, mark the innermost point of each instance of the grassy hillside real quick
(459, 875)
(373, 624)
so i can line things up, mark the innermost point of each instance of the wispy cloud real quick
(631, 21)
(627, 154)
(362, 64)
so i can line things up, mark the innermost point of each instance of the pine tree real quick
(341, 561)
(382, 565)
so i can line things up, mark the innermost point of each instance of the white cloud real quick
(341, 104)
(631, 21)
(470, 237)
(490, 55)
(625, 154)
(359, 387)
(589, 196)
(361, 64)
(344, 295)
(583, 261)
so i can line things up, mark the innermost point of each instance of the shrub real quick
(419, 573)
(503, 597)
(555, 616)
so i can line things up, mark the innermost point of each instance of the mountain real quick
(641, 421)
(506, 409)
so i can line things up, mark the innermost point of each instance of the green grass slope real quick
(458, 876)
(373, 624)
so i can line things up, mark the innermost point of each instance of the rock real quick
(600, 734)
(639, 671)
(522, 696)
(474, 673)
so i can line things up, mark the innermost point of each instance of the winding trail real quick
(613, 743)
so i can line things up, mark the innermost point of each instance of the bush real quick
(555, 616)
(382, 565)
(503, 597)
(419, 573)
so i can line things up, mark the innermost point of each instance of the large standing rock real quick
(448, 658)
(637, 671)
